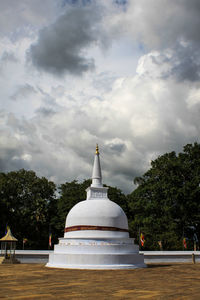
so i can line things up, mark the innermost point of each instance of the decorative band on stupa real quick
(91, 227)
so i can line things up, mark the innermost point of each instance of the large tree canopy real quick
(166, 204)
(26, 204)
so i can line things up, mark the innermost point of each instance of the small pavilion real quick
(8, 246)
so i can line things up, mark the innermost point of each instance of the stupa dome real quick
(99, 213)
(96, 217)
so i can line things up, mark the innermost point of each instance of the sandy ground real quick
(35, 281)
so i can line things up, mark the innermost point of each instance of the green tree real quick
(26, 202)
(165, 206)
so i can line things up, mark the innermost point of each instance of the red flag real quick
(142, 240)
(50, 239)
(184, 243)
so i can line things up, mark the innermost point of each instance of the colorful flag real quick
(160, 244)
(25, 240)
(142, 240)
(184, 243)
(50, 236)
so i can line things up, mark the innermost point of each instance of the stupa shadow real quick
(158, 265)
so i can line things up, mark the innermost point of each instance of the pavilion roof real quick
(8, 237)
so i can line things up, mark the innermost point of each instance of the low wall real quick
(150, 257)
(33, 256)
(171, 256)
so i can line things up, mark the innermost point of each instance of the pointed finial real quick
(96, 173)
(97, 149)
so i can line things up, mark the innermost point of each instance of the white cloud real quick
(134, 111)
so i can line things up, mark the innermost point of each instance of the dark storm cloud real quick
(43, 111)
(19, 17)
(183, 63)
(176, 22)
(9, 160)
(162, 25)
(61, 46)
(76, 2)
(117, 148)
(186, 63)
(23, 92)
(8, 57)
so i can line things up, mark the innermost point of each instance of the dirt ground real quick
(35, 281)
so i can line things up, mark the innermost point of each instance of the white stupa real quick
(96, 233)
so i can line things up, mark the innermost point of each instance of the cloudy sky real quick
(121, 73)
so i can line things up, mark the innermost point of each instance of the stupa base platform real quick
(97, 267)
(96, 254)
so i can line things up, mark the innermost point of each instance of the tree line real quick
(164, 208)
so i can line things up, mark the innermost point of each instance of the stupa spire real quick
(96, 190)
(96, 173)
